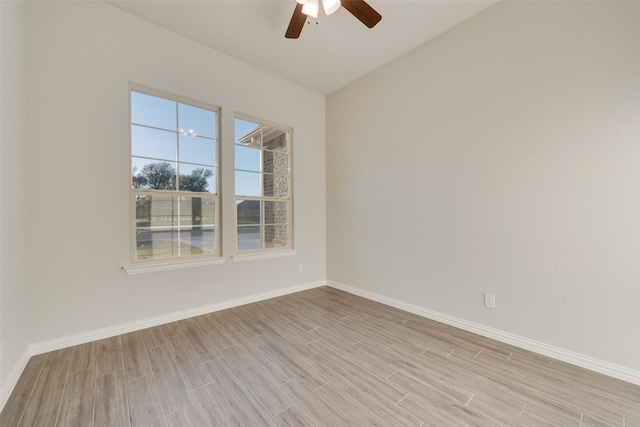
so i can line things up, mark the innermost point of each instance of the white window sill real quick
(262, 255)
(170, 265)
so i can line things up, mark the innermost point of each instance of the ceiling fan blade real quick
(361, 10)
(296, 24)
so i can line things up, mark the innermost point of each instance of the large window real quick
(263, 186)
(174, 169)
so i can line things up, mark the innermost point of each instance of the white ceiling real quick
(327, 56)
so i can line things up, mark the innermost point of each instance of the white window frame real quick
(263, 252)
(142, 266)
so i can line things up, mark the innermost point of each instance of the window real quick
(174, 185)
(263, 186)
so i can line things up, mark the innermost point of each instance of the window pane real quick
(249, 238)
(197, 212)
(196, 121)
(245, 133)
(247, 158)
(153, 111)
(276, 185)
(247, 183)
(148, 142)
(156, 235)
(276, 212)
(248, 212)
(276, 236)
(197, 150)
(197, 178)
(156, 244)
(197, 221)
(154, 175)
(162, 212)
(276, 140)
(276, 163)
(197, 242)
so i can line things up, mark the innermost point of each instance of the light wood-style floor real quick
(316, 358)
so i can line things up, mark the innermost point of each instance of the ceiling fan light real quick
(311, 8)
(330, 6)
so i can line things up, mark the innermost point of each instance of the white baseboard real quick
(85, 337)
(14, 375)
(587, 362)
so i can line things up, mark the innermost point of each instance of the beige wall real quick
(502, 157)
(80, 58)
(14, 307)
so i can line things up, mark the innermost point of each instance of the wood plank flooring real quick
(316, 358)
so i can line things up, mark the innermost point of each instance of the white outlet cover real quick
(489, 301)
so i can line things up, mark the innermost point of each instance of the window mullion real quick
(177, 150)
(177, 197)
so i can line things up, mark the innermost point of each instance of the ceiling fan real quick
(305, 8)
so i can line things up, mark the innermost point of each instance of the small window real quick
(174, 177)
(263, 186)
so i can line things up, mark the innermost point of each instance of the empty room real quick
(320, 213)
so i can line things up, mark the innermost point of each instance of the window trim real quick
(153, 266)
(263, 254)
(142, 266)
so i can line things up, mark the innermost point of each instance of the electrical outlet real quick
(489, 301)
(300, 268)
